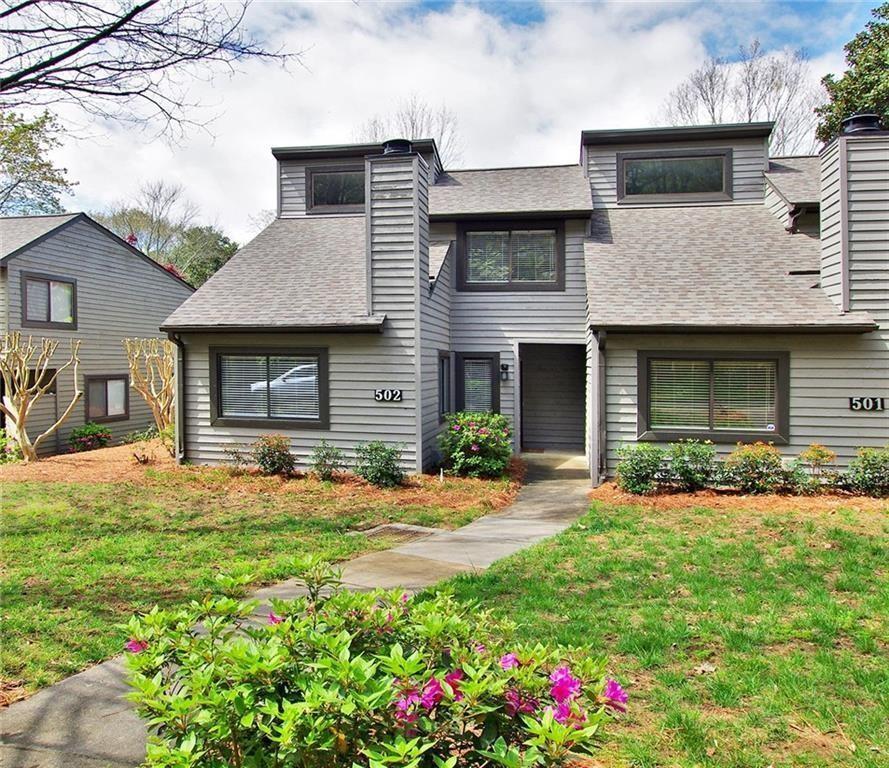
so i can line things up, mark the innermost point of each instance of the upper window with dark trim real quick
(48, 301)
(107, 397)
(274, 386)
(504, 256)
(335, 190)
(682, 175)
(724, 397)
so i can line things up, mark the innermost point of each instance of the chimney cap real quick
(396, 146)
(860, 123)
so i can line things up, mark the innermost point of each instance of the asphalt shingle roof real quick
(437, 254)
(798, 179)
(18, 231)
(511, 190)
(726, 266)
(297, 273)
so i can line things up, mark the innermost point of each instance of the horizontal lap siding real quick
(497, 321)
(436, 324)
(119, 295)
(748, 163)
(825, 371)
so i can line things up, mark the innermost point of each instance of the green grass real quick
(753, 639)
(79, 559)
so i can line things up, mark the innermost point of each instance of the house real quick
(673, 283)
(67, 277)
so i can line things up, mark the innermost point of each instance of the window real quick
(723, 397)
(47, 377)
(698, 175)
(478, 382)
(444, 385)
(107, 398)
(48, 302)
(267, 387)
(335, 189)
(525, 257)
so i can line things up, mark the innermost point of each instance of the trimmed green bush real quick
(692, 464)
(89, 437)
(326, 460)
(360, 680)
(869, 472)
(640, 467)
(754, 468)
(272, 455)
(476, 444)
(379, 464)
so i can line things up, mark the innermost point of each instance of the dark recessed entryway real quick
(553, 397)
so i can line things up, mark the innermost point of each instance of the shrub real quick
(326, 460)
(692, 464)
(272, 455)
(380, 464)
(361, 680)
(754, 468)
(817, 461)
(640, 467)
(139, 436)
(9, 449)
(89, 437)
(476, 444)
(869, 472)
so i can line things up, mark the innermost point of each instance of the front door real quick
(553, 397)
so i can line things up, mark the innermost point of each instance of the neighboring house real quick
(66, 277)
(671, 284)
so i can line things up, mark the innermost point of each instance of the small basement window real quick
(720, 397)
(701, 175)
(269, 387)
(335, 190)
(48, 302)
(107, 398)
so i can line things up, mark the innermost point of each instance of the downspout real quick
(180, 396)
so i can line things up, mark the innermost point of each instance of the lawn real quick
(78, 558)
(746, 635)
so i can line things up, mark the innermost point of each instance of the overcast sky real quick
(523, 78)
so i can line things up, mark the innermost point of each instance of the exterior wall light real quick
(504, 371)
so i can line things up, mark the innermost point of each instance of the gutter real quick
(180, 397)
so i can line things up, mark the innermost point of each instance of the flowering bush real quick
(754, 468)
(869, 472)
(9, 449)
(360, 681)
(89, 437)
(640, 468)
(476, 444)
(692, 464)
(379, 464)
(272, 455)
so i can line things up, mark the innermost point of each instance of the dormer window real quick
(335, 190)
(700, 175)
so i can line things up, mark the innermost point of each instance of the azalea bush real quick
(89, 437)
(640, 467)
(869, 472)
(379, 464)
(9, 449)
(754, 468)
(476, 444)
(272, 455)
(326, 461)
(692, 464)
(359, 680)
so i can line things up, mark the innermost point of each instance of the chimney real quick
(396, 147)
(862, 123)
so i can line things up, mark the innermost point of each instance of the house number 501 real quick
(867, 403)
(387, 395)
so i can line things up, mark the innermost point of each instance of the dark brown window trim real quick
(45, 278)
(510, 224)
(87, 380)
(460, 393)
(311, 170)
(781, 435)
(323, 420)
(726, 194)
(442, 412)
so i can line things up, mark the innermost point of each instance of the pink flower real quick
(456, 427)
(474, 447)
(453, 679)
(274, 618)
(433, 693)
(483, 431)
(564, 714)
(565, 685)
(481, 648)
(517, 704)
(135, 646)
(405, 597)
(509, 661)
(614, 696)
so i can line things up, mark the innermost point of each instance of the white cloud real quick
(522, 93)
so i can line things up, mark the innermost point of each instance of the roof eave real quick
(372, 325)
(336, 151)
(864, 326)
(677, 133)
(567, 213)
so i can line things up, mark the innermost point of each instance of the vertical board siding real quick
(831, 225)
(749, 160)
(4, 301)
(119, 295)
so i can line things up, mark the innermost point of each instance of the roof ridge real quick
(41, 215)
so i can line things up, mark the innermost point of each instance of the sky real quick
(523, 79)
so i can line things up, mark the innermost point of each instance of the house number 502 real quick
(867, 403)
(387, 395)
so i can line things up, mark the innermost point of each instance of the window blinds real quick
(269, 386)
(478, 385)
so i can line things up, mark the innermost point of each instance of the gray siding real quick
(119, 295)
(749, 161)
(553, 397)
(833, 224)
(776, 205)
(436, 325)
(4, 301)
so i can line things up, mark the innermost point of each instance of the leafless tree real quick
(121, 59)
(758, 86)
(414, 118)
(152, 365)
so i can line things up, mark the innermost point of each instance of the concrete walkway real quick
(84, 722)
